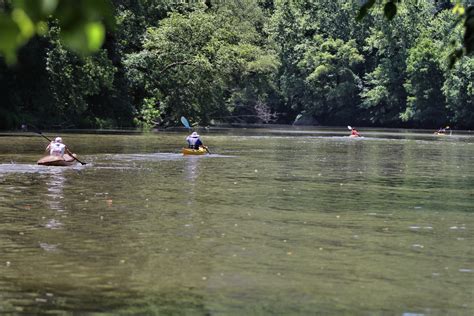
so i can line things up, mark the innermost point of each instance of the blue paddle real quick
(185, 122)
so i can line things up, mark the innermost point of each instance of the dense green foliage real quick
(235, 61)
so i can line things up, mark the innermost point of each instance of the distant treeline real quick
(248, 61)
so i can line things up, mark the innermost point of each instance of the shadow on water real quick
(45, 300)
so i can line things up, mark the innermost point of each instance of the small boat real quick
(65, 160)
(190, 151)
(353, 136)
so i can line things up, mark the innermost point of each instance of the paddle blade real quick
(349, 127)
(185, 122)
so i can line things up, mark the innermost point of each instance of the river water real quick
(274, 221)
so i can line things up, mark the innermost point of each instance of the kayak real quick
(353, 136)
(200, 151)
(65, 160)
(189, 151)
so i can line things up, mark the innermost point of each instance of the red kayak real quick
(65, 160)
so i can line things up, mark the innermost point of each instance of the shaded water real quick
(273, 222)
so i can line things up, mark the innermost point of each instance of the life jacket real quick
(194, 142)
(57, 149)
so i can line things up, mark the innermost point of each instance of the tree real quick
(298, 28)
(383, 95)
(73, 81)
(425, 101)
(463, 8)
(202, 65)
(332, 87)
(459, 91)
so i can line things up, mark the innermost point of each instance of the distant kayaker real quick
(194, 142)
(56, 147)
(443, 130)
(354, 132)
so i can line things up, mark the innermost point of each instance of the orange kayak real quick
(65, 160)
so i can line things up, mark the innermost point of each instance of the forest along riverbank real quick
(237, 62)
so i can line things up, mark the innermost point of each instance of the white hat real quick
(194, 135)
(58, 140)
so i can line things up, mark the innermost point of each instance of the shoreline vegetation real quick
(238, 62)
(263, 128)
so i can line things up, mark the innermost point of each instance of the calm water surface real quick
(273, 222)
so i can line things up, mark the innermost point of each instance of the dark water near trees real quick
(273, 222)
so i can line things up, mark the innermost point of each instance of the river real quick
(273, 222)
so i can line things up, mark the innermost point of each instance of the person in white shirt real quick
(56, 147)
(194, 141)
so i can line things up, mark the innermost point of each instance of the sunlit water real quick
(273, 222)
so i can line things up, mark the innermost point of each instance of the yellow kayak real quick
(200, 151)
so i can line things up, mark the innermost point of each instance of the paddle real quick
(207, 149)
(349, 127)
(185, 122)
(49, 140)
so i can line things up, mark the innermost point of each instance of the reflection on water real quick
(54, 196)
(191, 169)
(277, 223)
(48, 247)
(55, 185)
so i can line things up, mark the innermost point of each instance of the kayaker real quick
(442, 130)
(56, 147)
(194, 142)
(354, 132)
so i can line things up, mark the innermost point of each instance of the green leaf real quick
(36, 10)
(27, 28)
(10, 34)
(390, 10)
(75, 39)
(95, 33)
(84, 39)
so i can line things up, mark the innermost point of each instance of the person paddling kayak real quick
(194, 142)
(442, 130)
(56, 147)
(354, 132)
